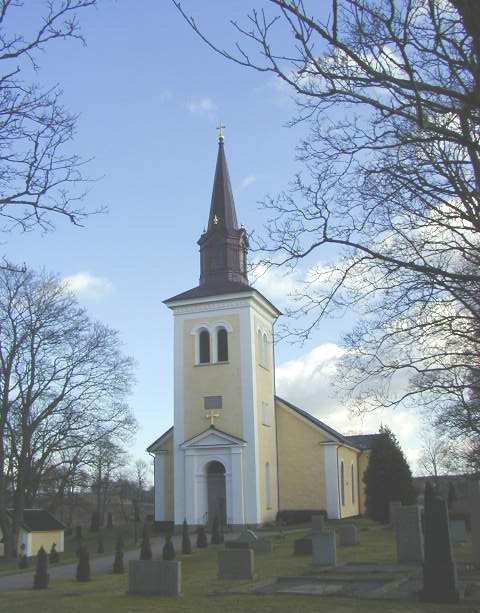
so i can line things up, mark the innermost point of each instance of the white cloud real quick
(202, 106)
(308, 383)
(247, 181)
(87, 285)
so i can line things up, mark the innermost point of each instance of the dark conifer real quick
(452, 495)
(83, 566)
(201, 537)
(168, 549)
(41, 577)
(54, 556)
(100, 545)
(95, 522)
(439, 571)
(109, 521)
(118, 567)
(387, 477)
(216, 538)
(186, 543)
(146, 548)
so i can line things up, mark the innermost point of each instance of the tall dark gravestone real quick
(439, 572)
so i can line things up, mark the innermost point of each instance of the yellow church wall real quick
(349, 507)
(301, 463)
(222, 379)
(362, 467)
(46, 540)
(266, 433)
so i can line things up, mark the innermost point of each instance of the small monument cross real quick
(211, 415)
(221, 133)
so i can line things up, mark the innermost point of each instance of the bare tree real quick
(436, 457)
(40, 179)
(106, 461)
(63, 381)
(384, 220)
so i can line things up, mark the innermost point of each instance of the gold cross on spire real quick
(221, 134)
(211, 415)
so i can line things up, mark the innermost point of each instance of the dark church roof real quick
(364, 441)
(204, 291)
(39, 520)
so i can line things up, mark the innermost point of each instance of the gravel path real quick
(101, 564)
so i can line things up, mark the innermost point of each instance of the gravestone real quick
(249, 540)
(474, 504)
(348, 534)
(302, 547)
(439, 570)
(236, 564)
(318, 523)
(408, 534)
(324, 549)
(155, 577)
(393, 506)
(457, 531)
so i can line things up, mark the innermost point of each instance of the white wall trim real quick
(332, 499)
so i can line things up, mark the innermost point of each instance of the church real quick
(236, 450)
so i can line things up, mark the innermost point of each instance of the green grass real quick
(108, 592)
(90, 539)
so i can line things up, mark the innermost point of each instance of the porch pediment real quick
(212, 437)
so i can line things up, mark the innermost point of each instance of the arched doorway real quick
(216, 493)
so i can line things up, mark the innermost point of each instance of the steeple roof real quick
(222, 207)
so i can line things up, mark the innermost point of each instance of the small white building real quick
(39, 528)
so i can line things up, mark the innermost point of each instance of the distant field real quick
(108, 592)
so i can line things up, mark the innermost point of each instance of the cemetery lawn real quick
(202, 591)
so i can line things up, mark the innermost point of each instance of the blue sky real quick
(149, 95)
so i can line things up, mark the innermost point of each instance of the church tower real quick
(224, 436)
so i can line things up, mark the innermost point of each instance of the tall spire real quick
(222, 208)
(223, 245)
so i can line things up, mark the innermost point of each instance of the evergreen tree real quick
(146, 548)
(118, 567)
(186, 543)
(439, 571)
(41, 577)
(201, 537)
(216, 538)
(100, 545)
(54, 557)
(452, 495)
(168, 549)
(83, 566)
(95, 522)
(23, 559)
(109, 521)
(387, 477)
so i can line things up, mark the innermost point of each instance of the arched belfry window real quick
(204, 346)
(222, 345)
(342, 483)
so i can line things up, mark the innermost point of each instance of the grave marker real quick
(236, 564)
(348, 535)
(408, 534)
(324, 549)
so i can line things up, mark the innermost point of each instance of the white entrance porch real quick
(214, 475)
